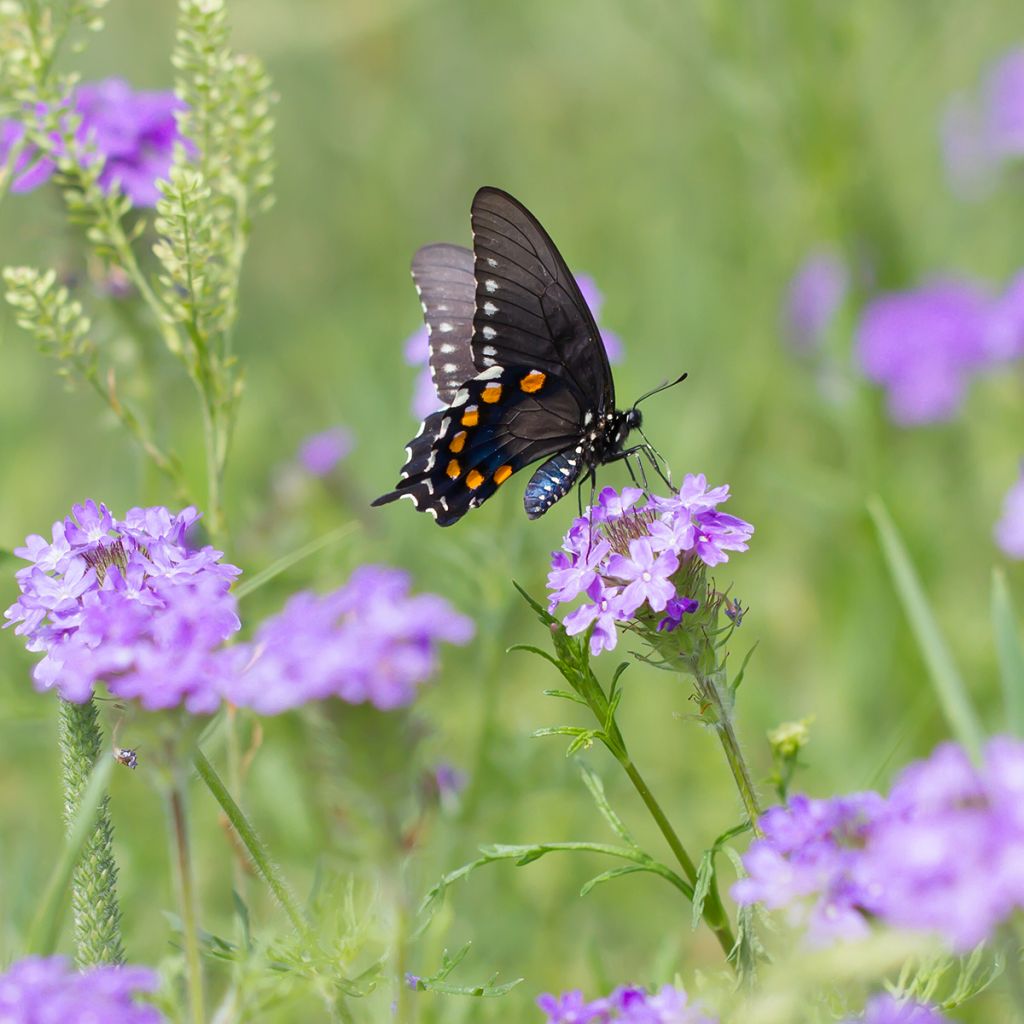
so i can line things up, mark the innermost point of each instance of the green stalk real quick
(94, 879)
(267, 869)
(187, 903)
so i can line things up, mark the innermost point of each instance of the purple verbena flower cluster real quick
(417, 351)
(815, 295)
(1009, 530)
(886, 1009)
(942, 853)
(130, 603)
(369, 641)
(320, 453)
(623, 556)
(982, 132)
(626, 1005)
(44, 990)
(133, 133)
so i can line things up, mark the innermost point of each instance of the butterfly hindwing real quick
(500, 421)
(444, 279)
(529, 309)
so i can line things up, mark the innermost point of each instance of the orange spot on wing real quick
(502, 473)
(458, 442)
(471, 417)
(533, 381)
(474, 479)
(453, 469)
(491, 393)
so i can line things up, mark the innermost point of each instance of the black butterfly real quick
(515, 353)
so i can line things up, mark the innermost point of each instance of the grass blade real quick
(287, 561)
(945, 677)
(1009, 651)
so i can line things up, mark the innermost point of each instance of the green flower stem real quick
(709, 688)
(713, 912)
(268, 870)
(94, 879)
(187, 903)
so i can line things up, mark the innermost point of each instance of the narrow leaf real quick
(542, 613)
(285, 562)
(1008, 648)
(945, 678)
(735, 684)
(565, 695)
(705, 875)
(607, 876)
(596, 787)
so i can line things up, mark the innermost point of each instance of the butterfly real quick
(518, 360)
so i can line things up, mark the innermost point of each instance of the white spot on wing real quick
(445, 327)
(489, 333)
(490, 350)
(412, 498)
(447, 349)
(491, 285)
(461, 397)
(449, 367)
(490, 308)
(494, 371)
(491, 261)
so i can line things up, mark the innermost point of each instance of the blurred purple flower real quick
(320, 453)
(369, 641)
(815, 295)
(627, 557)
(943, 854)
(449, 780)
(965, 153)
(1005, 332)
(1003, 100)
(1009, 530)
(416, 350)
(921, 346)
(133, 133)
(129, 603)
(626, 1005)
(40, 990)
(886, 1009)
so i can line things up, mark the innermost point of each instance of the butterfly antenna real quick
(661, 387)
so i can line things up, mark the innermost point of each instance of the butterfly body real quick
(517, 357)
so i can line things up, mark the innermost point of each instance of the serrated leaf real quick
(596, 787)
(705, 876)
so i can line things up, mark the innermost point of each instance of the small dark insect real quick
(517, 357)
(126, 756)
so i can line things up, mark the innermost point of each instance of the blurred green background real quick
(688, 157)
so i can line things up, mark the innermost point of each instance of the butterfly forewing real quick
(443, 275)
(529, 309)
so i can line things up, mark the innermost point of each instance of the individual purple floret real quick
(886, 1009)
(630, 554)
(815, 295)
(417, 351)
(922, 345)
(626, 1005)
(941, 854)
(320, 453)
(1009, 530)
(133, 133)
(41, 990)
(129, 603)
(369, 641)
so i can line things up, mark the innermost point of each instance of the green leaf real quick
(942, 671)
(705, 876)
(596, 787)
(542, 613)
(1009, 651)
(583, 742)
(607, 876)
(735, 684)
(566, 695)
(285, 562)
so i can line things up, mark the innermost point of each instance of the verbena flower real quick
(417, 351)
(129, 603)
(886, 1009)
(922, 346)
(369, 641)
(133, 133)
(1009, 530)
(628, 1005)
(814, 296)
(943, 853)
(632, 555)
(40, 990)
(320, 453)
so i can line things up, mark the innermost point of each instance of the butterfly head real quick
(623, 423)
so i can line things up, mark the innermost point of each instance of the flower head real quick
(887, 1009)
(133, 133)
(815, 295)
(320, 453)
(369, 641)
(35, 990)
(128, 603)
(631, 554)
(627, 1005)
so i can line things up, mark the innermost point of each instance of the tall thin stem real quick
(94, 879)
(187, 904)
